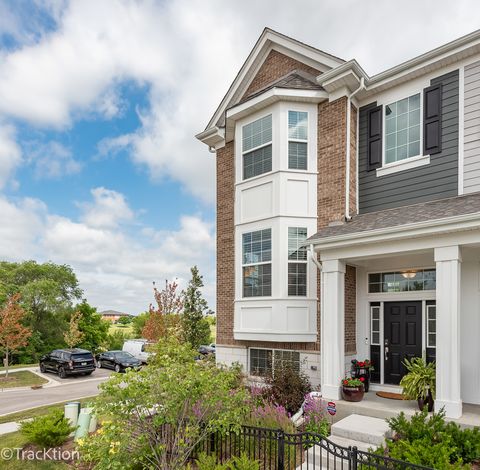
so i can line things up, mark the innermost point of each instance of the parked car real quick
(137, 348)
(119, 361)
(203, 349)
(65, 362)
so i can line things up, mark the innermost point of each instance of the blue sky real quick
(99, 105)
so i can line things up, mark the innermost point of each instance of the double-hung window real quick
(297, 140)
(257, 263)
(402, 129)
(297, 261)
(257, 147)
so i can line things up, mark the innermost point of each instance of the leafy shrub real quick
(315, 418)
(287, 387)
(271, 416)
(49, 430)
(209, 462)
(432, 442)
(420, 379)
(157, 416)
(114, 341)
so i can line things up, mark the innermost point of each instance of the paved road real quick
(68, 389)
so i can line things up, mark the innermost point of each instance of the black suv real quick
(68, 362)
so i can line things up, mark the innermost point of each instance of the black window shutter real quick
(432, 120)
(374, 138)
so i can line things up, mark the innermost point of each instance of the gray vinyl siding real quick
(437, 180)
(471, 149)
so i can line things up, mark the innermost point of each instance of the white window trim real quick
(427, 329)
(258, 147)
(409, 162)
(273, 358)
(297, 261)
(379, 325)
(302, 141)
(246, 265)
(401, 165)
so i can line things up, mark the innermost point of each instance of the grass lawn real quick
(16, 440)
(23, 378)
(41, 410)
(19, 366)
(126, 329)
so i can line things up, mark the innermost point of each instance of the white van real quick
(137, 348)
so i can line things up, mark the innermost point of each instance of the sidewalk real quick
(7, 428)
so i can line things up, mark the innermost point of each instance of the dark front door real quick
(402, 337)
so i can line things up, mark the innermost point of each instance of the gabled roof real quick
(296, 79)
(269, 40)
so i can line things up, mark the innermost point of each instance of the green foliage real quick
(114, 341)
(195, 326)
(124, 320)
(419, 379)
(174, 392)
(47, 293)
(50, 430)
(287, 386)
(93, 327)
(315, 417)
(432, 442)
(242, 462)
(138, 323)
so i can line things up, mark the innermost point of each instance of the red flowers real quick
(362, 379)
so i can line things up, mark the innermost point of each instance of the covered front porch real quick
(417, 294)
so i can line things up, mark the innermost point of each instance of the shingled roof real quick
(422, 212)
(295, 79)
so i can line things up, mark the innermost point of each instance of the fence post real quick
(281, 450)
(354, 458)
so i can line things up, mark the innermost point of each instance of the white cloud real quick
(51, 160)
(10, 155)
(108, 210)
(115, 269)
(188, 52)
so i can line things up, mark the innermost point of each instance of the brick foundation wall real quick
(276, 65)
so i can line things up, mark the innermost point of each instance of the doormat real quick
(390, 395)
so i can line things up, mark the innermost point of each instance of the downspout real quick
(318, 264)
(348, 151)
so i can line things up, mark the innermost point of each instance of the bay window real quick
(297, 261)
(257, 147)
(257, 263)
(297, 140)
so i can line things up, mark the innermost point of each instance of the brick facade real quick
(331, 205)
(276, 65)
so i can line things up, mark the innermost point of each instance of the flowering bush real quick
(270, 415)
(351, 382)
(366, 364)
(315, 417)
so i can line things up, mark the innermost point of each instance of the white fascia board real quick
(262, 47)
(275, 94)
(212, 137)
(415, 230)
(430, 61)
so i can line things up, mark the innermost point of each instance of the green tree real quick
(47, 293)
(74, 336)
(93, 327)
(125, 320)
(138, 323)
(195, 326)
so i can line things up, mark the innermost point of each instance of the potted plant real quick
(353, 389)
(362, 369)
(419, 383)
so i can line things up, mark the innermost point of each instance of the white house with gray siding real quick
(392, 162)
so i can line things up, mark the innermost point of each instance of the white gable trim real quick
(268, 41)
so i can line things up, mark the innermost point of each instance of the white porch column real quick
(448, 265)
(332, 328)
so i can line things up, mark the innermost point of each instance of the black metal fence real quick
(276, 450)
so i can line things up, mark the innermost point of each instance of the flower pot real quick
(427, 401)
(353, 393)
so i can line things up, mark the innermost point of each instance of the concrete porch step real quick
(344, 442)
(362, 428)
